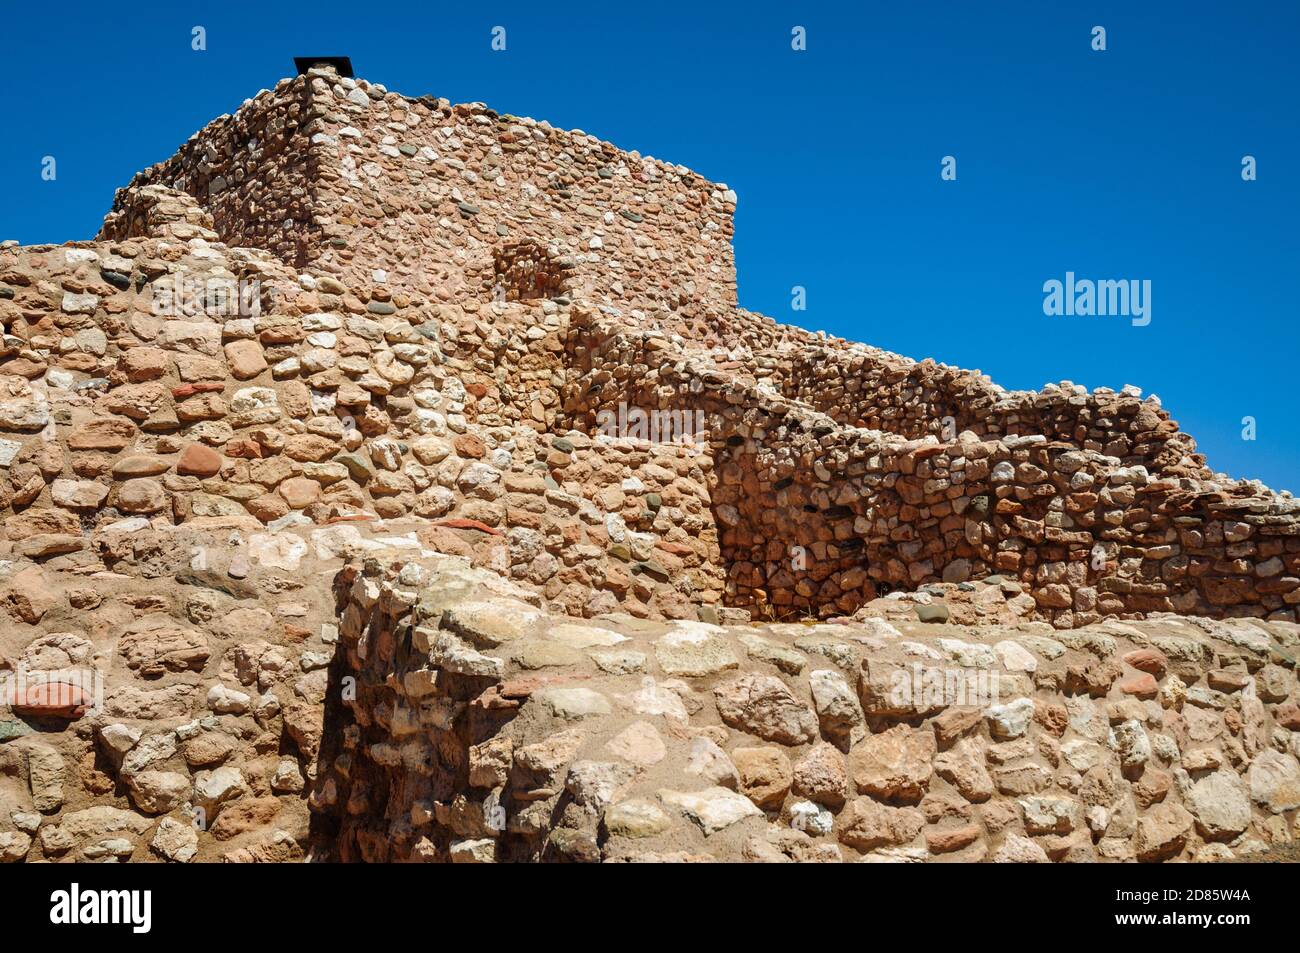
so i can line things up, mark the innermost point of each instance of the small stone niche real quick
(525, 271)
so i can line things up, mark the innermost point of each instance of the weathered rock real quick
(1275, 781)
(635, 818)
(712, 809)
(1220, 803)
(894, 765)
(765, 775)
(865, 824)
(154, 646)
(764, 706)
(710, 763)
(821, 776)
(1010, 720)
(45, 776)
(838, 710)
(1162, 832)
(157, 792)
(176, 841)
(694, 650)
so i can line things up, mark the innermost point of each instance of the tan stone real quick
(866, 824)
(765, 775)
(143, 364)
(1162, 832)
(140, 495)
(764, 706)
(245, 358)
(299, 492)
(139, 465)
(821, 776)
(894, 765)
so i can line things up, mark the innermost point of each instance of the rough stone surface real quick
(616, 569)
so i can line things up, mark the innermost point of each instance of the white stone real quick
(713, 808)
(1010, 720)
(1015, 657)
(227, 701)
(277, 550)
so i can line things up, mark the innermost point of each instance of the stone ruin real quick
(394, 480)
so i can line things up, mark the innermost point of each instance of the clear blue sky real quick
(1117, 164)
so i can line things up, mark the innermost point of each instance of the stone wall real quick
(482, 730)
(431, 710)
(437, 352)
(816, 517)
(139, 379)
(434, 190)
(357, 180)
(864, 387)
(162, 698)
(253, 172)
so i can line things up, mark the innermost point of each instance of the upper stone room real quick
(441, 197)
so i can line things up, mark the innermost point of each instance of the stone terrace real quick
(417, 205)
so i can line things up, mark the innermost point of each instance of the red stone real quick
(1288, 715)
(524, 687)
(492, 700)
(199, 460)
(189, 390)
(457, 522)
(946, 841)
(1148, 660)
(470, 446)
(244, 449)
(1143, 685)
(52, 700)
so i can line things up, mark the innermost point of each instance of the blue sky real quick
(1117, 164)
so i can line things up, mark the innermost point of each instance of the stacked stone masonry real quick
(337, 460)
(353, 179)
(869, 510)
(485, 730)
